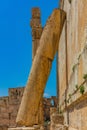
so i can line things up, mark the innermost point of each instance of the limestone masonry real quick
(9, 107)
(72, 65)
(65, 32)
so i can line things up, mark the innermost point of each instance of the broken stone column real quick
(41, 69)
(36, 35)
(36, 30)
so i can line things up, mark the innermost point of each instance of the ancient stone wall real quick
(72, 59)
(15, 96)
(9, 107)
(49, 103)
(4, 111)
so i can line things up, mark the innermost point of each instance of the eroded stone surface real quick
(36, 35)
(40, 69)
(72, 56)
(9, 108)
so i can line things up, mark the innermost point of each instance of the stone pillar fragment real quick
(36, 30)
(41, 69)
(36, 35)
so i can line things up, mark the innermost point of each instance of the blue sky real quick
(16, 43)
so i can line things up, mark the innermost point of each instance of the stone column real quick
(41, 69)
(36, 35)
(36, 30)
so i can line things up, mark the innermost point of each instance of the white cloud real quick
(46, 95)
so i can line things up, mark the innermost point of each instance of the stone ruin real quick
(9, 106)
(12, 102)
(41, 67)
(31, 114)
(70, 39)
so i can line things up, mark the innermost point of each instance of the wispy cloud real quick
(46, 95)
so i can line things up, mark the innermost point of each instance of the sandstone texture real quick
(72, 64)
(57, 120)
(70, 39)
(40, 69)
(9, 108)
(36, 35)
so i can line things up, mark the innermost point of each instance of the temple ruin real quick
(41, 69)
(9, 106)
(66, 33)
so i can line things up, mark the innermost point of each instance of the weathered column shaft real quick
(36, 30)
(41, 68)
(36, 35)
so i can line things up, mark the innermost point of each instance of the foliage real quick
(76, 86)
(68, 101)
(79, 56)
(45, 123)
(65, 100)
(82, 89)
(60, 111)
(85, 76)
(73, 68)
(70, 95)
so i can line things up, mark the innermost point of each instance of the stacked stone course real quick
(9, 106)
(72, 64)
